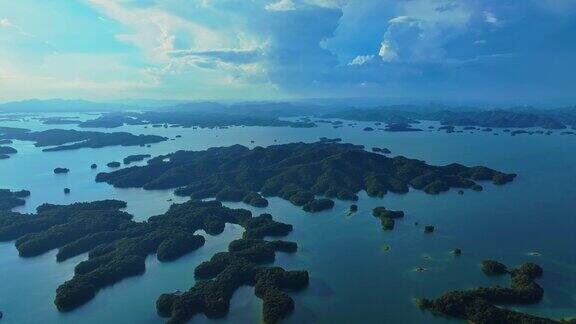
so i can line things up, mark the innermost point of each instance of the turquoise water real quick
(352, 276)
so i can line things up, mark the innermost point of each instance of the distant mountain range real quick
(557, 118)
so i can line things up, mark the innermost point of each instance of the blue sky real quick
(465, 50)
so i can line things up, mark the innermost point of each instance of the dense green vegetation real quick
(255, 199)
(113, 164)
(491, 267)
(183, 117)
(353, 208)
(383, 212)
(236, 195)
(135, 158)
(220, 277)
(297, 172)
(387, 217)
(550, 119)
(10, 199)
(5, 150)
(429, 229)
(479, 305)
(67, 139)
(118, 246)
(318, 205)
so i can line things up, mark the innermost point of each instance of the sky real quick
(288, 49)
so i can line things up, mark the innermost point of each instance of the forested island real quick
(61, 170)
(481, 305)
(179, 116)
(387, 217)
(461, 116)
(118, 246)
(6, 151)
(10, 199)
(135, 158)
(66, 139)
(230, 270)
(297, 172)
(214, 114)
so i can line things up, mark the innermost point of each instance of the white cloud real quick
(361, 59)
(421, 28)
(155, 31)
(282, 5)
(399, 20)
(490, 18)
(387, 52)
(186, 49)
(5, 23)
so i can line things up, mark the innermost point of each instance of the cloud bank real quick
(272, 49)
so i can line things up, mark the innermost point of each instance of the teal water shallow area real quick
(358, 271)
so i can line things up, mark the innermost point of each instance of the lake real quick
(358, 272)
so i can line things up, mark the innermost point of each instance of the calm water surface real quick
(353, 274)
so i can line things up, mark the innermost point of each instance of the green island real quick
(236, 195)
(7, 150)
(113, 164)
(387, 217)
(135, 158)
(491, 267)
(297, 172)
(61, 170)
(117, 247)
(10, 199)
(482, 305)
(67, 139)
(214, 115)
(228, 271)
(510, 117)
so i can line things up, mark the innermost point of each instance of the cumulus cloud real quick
(315, 47)
(155, 30)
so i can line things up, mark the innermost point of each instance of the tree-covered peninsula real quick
(481, 305)
(220, 277)
(117, 247)
(68, 139)
(297, 172)
(135, 158)
(213, 115)
(10, 199)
